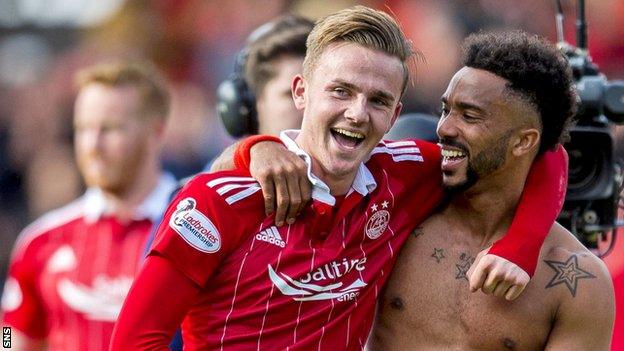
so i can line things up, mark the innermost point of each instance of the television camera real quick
(595, 178)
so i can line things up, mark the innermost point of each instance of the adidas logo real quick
(271, 236)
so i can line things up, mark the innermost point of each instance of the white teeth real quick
(452, 153)
(348, 133)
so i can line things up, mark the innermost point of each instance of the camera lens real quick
(584, 169)
(590, 164)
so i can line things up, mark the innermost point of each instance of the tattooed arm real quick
(581, 282)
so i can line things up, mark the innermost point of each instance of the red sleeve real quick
(154, 308)
(198, 230)
(539, 206)
(22, 307)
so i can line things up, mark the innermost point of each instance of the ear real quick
(397, 113)
(298, 91)
(526, 141)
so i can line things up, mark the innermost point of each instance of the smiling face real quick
(350, 100)
(479, 125)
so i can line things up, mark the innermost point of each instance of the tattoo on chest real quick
(417, 232)
(568, 273)
(438, 254)
(465, 261)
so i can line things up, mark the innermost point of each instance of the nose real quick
(446, 127)
(90, 139)
(357, 111)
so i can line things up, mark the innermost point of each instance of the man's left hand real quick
(497, 276)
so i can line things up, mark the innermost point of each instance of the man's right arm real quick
(154, 308)
(198, 230)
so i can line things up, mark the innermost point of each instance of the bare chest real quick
(428, 301)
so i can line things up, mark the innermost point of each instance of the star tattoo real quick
(463, 266)
(438, 254)
(568, 273)
(417, 232)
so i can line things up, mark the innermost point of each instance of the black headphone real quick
(236, 103)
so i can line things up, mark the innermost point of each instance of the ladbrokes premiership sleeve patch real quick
(194, 227)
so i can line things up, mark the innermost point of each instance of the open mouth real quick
(346, 138)
(452, 155)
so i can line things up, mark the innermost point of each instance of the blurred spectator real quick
(72, 268)
(257, 98)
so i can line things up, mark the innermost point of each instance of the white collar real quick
(364, 182)
(152, 208)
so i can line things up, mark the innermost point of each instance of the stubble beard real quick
(483, 164)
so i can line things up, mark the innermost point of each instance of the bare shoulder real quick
(571, 267)
(582, 290)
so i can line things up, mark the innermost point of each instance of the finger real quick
(294, 196)
(281, 193)
(268, 192)
(491, 282)
(514, 292)
(476, 263)
(476, 276)
(305, 188)
(502, 288)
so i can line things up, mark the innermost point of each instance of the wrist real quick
(242, 157)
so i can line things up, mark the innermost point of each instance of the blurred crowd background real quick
(44, 42)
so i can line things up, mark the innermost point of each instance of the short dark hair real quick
(535, 69)
(284, 36)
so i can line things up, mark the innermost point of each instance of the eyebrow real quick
(378, 93)
(465, 105)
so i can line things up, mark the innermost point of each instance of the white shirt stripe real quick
(240, 271)
(224, 189)
(243, 194)
(218, 181)
(400, 143)
(407, 158)
(411, 150)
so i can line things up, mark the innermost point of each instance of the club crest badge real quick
(378, 221)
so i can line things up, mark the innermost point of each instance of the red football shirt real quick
(309, 285)
(71, 269)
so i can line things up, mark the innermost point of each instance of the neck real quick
(487, 208)
(124, 203)
(339, 184)
(339, 187)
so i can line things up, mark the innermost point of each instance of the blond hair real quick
(363, 26)
(143, 76)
